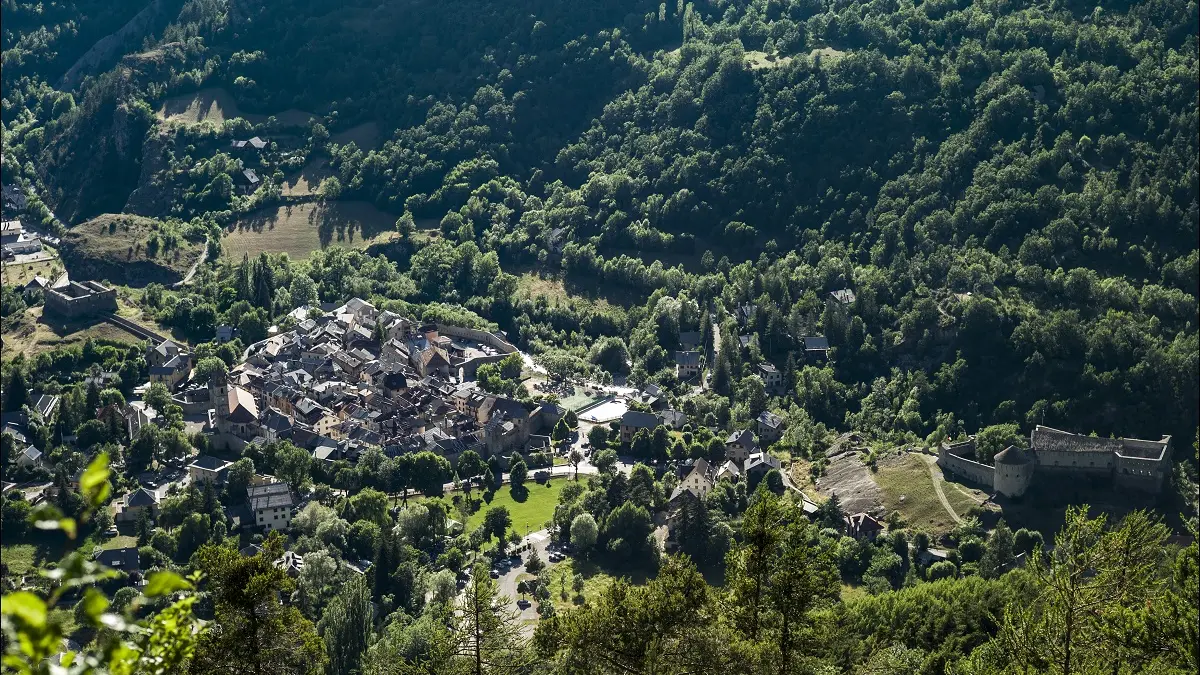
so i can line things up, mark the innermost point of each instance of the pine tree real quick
(488, 637)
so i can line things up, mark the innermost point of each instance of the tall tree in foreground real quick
(670, 625)
(346, 625)
(253, 632)
(780, 573)
(488, 637)
(1100, 590)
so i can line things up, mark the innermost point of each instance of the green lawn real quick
(530, 510)
(595, 582)
(19, 558)
(908, 477)
(961, 497)
(37, 549)
(119, 541)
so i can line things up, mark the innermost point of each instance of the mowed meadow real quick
(299, 229)
(214, 104)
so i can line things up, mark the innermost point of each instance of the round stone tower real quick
(1014, 472)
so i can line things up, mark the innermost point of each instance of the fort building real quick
(80, 299)
(1129, 463)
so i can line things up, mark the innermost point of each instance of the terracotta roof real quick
(242, 407)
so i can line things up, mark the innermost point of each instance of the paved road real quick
(936, 476)
(508, 582)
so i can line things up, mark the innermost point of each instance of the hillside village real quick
(540, 338)
(355, 380)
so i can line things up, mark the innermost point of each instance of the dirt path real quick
(195, 266)
(931, 463)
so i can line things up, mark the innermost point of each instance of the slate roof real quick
(633, 418)
(1012, 456)
(141, 497)
(269, 496)
(122, 559)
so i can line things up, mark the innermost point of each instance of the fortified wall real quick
(490, 339)
(1130, 463)
(953, 458)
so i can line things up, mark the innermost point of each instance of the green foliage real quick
(256, 632)
(346, 626)
(160, 643)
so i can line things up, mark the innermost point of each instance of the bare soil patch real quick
(847, 477)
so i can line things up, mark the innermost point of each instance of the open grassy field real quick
(828, 55)
(216, 105)
(308, 179)
(302, 228)
(36, 335)
(21, 273)
(563, 292)
(529, 510)
(595, 582)
(758, 60)
(119, 541)
(907, 488)
(19, 558)
(962, 497)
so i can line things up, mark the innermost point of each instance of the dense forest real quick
(1010, 191)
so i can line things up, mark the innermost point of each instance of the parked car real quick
(495, 573)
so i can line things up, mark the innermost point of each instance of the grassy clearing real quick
(21, 273)
(366, 136)
(119, 541)
(308, 180)
(908, 477)
(128, 307)
(595, 582)
(39, 548)
(214, 104)
(300, 229)
(35, 335)
(827, 54)
(19, 558)
(961, 497)
(530, 509)
(759, 60)
(207, 105)
(558, 292)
